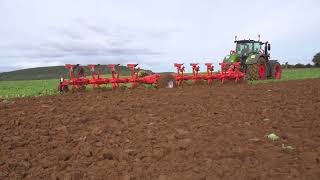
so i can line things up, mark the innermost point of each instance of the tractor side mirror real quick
(269, 47)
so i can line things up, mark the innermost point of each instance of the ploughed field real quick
(194, 132)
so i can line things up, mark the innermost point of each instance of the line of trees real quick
(315, 60)
(299, 65)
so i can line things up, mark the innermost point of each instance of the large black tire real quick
(252, 72)
(275, 69)
(166, 81)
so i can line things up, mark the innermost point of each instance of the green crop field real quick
(11, 89)
(295, 74)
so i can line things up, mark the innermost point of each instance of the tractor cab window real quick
(244, 49)
(256, 47)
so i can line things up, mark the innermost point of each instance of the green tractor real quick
(254, 58)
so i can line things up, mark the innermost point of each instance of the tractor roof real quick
(248, 41)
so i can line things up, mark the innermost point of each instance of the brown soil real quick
(202, 132)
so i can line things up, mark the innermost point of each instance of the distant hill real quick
(52, 72)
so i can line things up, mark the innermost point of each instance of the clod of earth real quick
(273, 137)
(287, 147)
(5, 101)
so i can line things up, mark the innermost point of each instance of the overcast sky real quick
(153, 33)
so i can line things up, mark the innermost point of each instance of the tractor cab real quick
(248, 47)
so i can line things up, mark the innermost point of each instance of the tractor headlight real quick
(253, 56)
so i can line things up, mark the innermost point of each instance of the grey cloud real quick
(71, 34)
(74, 51)
(78, 44)
(61, 51)
(99, 30)
(111, 35)
(91, 49)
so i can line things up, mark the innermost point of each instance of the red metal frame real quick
(75, 82)
(81, 81)
(96, 80)
(232, 73)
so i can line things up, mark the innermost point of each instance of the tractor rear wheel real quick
(166, 81)
(275, 70)
(257, 71)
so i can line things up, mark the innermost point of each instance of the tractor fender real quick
(253, 59)
(273, 61)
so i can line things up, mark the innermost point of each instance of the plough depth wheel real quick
(166, 81)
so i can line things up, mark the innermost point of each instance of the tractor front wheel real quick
(257, 71)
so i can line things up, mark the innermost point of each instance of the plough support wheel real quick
(166, 81)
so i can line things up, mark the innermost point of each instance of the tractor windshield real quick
(256, 47)
(244, 49)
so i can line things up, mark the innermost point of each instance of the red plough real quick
(232, 73)
(81, 81)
